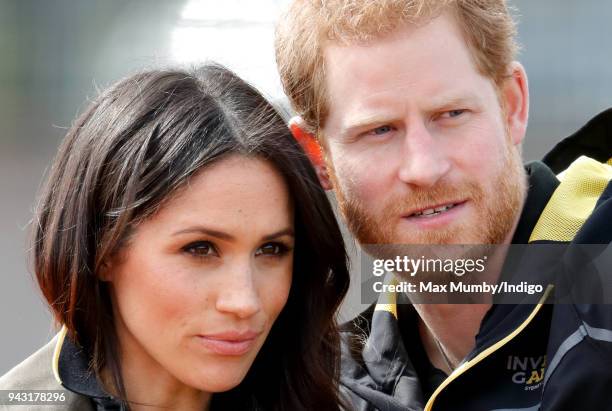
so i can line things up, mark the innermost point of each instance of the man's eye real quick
(453, 113)
(272, 249)
(378, 131)
(201, 249)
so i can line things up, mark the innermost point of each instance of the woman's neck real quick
(149, 386)
(149, 389)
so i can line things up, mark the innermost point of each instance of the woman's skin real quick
(201, 282)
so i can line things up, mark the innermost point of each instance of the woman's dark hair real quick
(128, 153)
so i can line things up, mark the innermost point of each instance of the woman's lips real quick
(229, 343)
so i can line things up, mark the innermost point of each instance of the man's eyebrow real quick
(363, 123)
(437, 103)
(453, 100)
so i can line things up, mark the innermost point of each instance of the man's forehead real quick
(427, 31)
(398, 59)
(413, 67)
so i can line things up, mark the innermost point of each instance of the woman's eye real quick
(272, 249)
(201, 249)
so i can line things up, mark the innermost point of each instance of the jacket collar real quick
(542, 184)
(71, 369)
(383, 373)
(502, 318)
(592, 140)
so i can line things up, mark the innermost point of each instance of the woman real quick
(186, 247)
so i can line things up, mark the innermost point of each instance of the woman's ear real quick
(313, 150)
(515, 93)
(105, 271)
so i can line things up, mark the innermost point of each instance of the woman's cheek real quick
(158, 296)
(277, 291)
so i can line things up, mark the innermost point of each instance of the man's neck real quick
(448, 331)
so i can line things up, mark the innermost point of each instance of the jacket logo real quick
(527, 371)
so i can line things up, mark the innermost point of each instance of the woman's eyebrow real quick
(285, 231)
(204, 230)
(225, 236)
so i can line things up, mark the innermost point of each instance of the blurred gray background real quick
(55, 54)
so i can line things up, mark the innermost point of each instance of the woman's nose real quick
(238, 294)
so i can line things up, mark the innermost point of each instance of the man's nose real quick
(238, 295)
(423, 157)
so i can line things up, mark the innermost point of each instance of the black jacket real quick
(526, 356)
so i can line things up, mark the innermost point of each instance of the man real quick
(420, 111)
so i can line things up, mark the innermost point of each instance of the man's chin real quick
(435, 237)
(457, 234)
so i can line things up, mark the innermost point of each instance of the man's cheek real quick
(354, 182)
(373, 193)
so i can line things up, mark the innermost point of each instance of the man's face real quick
(417, 143)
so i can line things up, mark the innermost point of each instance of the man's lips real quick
(231, 343)
(433, 210)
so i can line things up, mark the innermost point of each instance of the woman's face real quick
(201, 282)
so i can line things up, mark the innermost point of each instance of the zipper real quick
(490, 350)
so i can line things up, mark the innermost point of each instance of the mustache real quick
(422, 198)
(371, 228)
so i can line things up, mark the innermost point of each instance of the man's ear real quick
(515, 93)
(312, 148)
